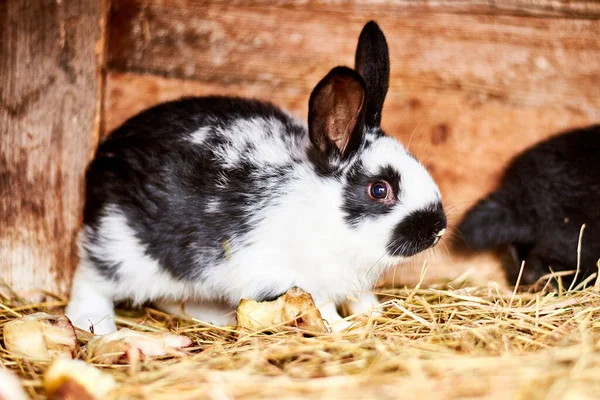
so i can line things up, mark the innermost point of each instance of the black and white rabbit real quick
(214, 199)
(547, 193)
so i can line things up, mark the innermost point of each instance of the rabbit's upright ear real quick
(372, 61)
(335, 112)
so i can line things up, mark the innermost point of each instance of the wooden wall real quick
(472, 83)
(49, 113)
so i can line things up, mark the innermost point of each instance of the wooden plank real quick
(514, 57)
(541, 8)
(48, 125)
(129, 93)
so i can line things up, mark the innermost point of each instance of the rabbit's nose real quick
(418, 231)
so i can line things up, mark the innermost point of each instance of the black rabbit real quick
(548, 192)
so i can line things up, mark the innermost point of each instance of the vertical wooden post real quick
(50, 83)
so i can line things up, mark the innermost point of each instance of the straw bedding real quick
(454, 341)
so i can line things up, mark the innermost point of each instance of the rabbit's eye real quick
(380, 190)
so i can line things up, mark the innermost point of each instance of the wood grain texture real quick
(588, 9)
(467, 91)
(227, 44)
(48, 110)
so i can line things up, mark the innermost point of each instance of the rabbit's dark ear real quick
(490, 224)
(335, 112)
(372, 62)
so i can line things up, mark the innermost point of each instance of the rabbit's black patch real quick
(171, 216)
(358, 206)
(418, 231)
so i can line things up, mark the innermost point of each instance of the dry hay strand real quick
(454, 341)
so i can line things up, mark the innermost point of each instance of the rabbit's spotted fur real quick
(211, 200)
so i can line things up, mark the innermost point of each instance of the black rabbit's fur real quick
(546, 194)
